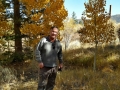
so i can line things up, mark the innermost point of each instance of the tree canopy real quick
(43, 14)
(96, 25)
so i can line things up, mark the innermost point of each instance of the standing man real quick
(48, 51)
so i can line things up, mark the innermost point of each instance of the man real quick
(48, 51)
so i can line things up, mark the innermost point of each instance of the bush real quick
(17, 57)
(7, 75)
(6, 58)
(11, 57)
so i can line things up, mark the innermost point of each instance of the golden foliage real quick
(46, 14)
(96, 25)
(4, 26)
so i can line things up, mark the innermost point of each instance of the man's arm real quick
(60, 57)
(38, 53)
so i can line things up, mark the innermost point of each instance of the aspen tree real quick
(96, 27)
(46, 14)
(4, 26)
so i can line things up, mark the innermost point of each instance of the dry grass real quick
(77, 73)
(86, 79)
(78, 79)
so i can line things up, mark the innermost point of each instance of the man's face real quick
(53, 33)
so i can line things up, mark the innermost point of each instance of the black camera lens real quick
(59, 69)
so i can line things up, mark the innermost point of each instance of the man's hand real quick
(41, 65)
(60, 67)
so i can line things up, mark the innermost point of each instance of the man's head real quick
(54, 32)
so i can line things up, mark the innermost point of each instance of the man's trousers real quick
(47, 76)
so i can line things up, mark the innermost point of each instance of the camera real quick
(59, 69)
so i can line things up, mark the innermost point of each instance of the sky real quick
(78, 7)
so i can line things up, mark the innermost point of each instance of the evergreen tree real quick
(75, 17)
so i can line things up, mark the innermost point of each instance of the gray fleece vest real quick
(49, 52)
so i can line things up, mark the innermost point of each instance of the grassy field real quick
(77, 74)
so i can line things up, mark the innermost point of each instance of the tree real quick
(77, 21)
(68, 31)
(17, 25)
(33, 18)
(12, 12)
(118, 31)
(70, 28)
(43, 14)
(96, 27)
(4, 25)
(74, 17)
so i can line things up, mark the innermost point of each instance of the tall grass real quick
(77, 73)
(86, 79)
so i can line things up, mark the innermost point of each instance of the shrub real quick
(10, 57)
(7, 75)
